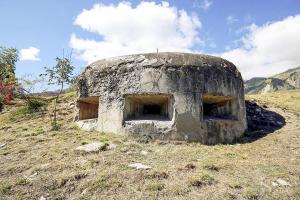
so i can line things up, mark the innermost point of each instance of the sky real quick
(261, 38)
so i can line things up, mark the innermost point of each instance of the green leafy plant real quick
(61, 74)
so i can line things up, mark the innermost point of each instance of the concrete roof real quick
(164, 59)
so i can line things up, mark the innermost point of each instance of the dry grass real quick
(37, 162)
(286, 100)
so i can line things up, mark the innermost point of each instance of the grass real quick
(155, 186)
(5, 188)
(212, 167)
(201, 179)
(100, 183)
(179, 171)
(156, 175)
(21, 181)
(286, 100)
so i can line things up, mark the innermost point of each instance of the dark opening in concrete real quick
(152, 109)
(88, 107)
(148, 107)
(218, 107)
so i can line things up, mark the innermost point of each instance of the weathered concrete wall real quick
(185, 77)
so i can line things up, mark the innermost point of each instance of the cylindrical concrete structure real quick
(170, 96)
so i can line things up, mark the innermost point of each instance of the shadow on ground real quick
(260, 122)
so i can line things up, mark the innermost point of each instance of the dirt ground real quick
(36, 163)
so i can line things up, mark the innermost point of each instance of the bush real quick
(35, 104)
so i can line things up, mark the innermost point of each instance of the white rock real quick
(111, 146)
(274, 184)
(33, 175)
(283, 182)
(92, 147)
(139, 166)
(42, 198)
(144, 152)
(83, 192)
(2, 145)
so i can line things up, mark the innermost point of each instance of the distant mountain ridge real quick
(287, 80)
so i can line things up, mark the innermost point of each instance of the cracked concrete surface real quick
(183, 76)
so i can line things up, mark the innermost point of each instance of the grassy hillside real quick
(288, 100)
(36, 162)
(287, 80)
(285, 75)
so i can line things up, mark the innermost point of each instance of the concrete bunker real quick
(148, 107)
(218, 107)
(168, 96)
(88, 107)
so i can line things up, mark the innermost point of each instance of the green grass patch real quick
(5, 187)
(21, 181)
(156, 175)
(155, 186)
(201, 180)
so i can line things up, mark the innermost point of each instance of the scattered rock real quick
(32, 176)
(281, 182)
(71, 105)
(83, 192)
(144, 152)
(279, 123)
(2, 145)
(93, 147)
(274, 184)
(129, 153)
(111, 146)
(139, 166)
(44, 166)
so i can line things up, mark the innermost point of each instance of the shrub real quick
(34, 104)
(6, 91)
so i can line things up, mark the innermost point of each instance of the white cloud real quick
(205, 4)
(231, 19)
(125, 29)
(268, 49)
(30, 53)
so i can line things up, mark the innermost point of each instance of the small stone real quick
(144, 152)
(139, 166)
(258, 110)
(33, 175)
(2, 145)
(274, 184)
(93, 147)
(42, 198)
(45, 165)
(282, 182)
(111, 146)
(83, 192)
(279, 123)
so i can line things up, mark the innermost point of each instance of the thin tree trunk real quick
(54, 125)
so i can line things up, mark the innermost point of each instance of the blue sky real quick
(261, 37)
